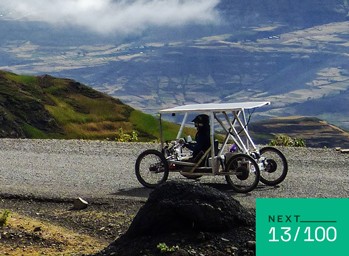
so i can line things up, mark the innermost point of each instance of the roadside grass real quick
(37, 237)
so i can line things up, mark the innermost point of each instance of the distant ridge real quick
(316, 133)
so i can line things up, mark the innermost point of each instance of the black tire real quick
(151, 168)
(275, 166)
(245, 175)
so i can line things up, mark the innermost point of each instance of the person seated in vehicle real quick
(202, 138)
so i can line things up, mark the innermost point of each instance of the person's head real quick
(201, 121)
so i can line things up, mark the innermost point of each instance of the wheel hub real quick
(156, 168)
(271, 166)
(242, 173)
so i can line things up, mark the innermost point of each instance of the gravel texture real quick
(104, 169)
(40, 179)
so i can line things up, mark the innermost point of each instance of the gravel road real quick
(101, 169)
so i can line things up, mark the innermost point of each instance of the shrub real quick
(164, 248)
(287, 141)
(299, 142)
(125, 137)
(4, 218)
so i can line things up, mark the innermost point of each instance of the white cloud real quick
(113, 16)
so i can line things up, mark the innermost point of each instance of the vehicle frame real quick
(247, 164)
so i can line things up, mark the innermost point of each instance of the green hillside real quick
(49, 107)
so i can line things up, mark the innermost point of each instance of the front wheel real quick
(275, 166)
(151, 168)
(243, 174)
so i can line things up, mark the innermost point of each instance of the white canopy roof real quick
(215, 107)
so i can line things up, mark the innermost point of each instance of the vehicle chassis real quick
(243, 164)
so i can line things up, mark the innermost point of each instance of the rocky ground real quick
(42, 224)
(44, 227)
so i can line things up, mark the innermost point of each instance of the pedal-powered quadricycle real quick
(235, 157)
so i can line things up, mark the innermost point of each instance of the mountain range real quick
(292, 53)
(44, 107)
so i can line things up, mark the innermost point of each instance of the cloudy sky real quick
(112, 16)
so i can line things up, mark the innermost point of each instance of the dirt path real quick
(94, 169)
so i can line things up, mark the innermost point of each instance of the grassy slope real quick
(48, 107)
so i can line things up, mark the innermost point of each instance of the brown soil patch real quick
(39, 227)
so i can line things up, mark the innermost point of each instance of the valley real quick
(293, 54)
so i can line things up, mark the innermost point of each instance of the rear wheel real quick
(244, 171)
(151, 168)
(275, 166)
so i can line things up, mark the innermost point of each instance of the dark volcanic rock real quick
(9, 127)
(187, 215)
(175, 207)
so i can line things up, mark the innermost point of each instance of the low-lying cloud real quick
(113, 16)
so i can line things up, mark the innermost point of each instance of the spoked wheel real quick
(244, 171)
(151, 168)
(275, 166)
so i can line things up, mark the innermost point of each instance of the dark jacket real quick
(203, 141)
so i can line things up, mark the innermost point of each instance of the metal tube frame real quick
(182, 126)
(239, 121)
